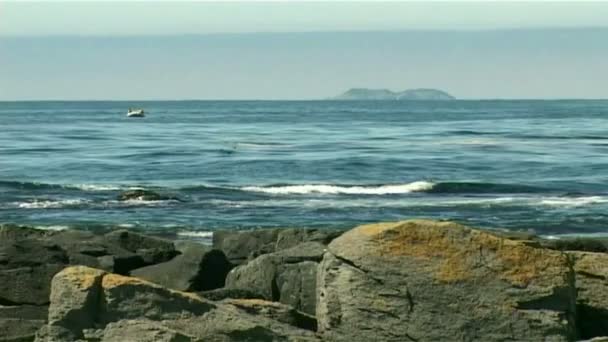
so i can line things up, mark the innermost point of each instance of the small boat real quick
(137, 113)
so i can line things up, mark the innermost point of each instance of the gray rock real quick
(27, 285)
(224, 293)
(592, 293)
(287, 276)
(18, 330)
(128, 309)
(276, 311)
(239, 246)
(291, 237)
(152, 250)
(437, 281)
(198, 268)
(144, 195)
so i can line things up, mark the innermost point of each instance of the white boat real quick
(138, 113)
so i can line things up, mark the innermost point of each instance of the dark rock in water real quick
(240, 245)
(144, 195)
(130, 309)
(198, 268)
(225, 293)
(438, 281)
(287, 276)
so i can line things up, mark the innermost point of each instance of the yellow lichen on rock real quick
(115, 280)
(81, 276)
(464, 252)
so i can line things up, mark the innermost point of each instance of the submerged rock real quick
(144, 195)
(437, 281)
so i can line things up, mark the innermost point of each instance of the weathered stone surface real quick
(437, 281)
(592, 293)
(291, 237)
(276, 311)
(287, 276)
(239, 246)
(126, 307)
(224, 293)
(18, 330)
(75, 299)
(140, 331)
(27, 285)
(198, 268)
(152, 250)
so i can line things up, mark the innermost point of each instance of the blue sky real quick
(163, 50)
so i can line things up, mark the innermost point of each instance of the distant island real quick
(385, 94)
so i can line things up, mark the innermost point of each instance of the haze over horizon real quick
(135, 51)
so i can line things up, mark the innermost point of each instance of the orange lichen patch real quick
(591, 263)
(81, 276)
(459, 253)
(115, 280)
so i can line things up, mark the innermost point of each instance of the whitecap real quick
(573, 201)
(49, 204)
(348, 190)
(196, 234)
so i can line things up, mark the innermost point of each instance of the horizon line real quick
(309, 100)
(413, 30)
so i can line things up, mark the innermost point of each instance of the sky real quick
(284, 50)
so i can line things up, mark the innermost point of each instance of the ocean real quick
(537, 166)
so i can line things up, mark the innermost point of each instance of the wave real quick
(51, 204)
(573, 201)
(348, 190)
(418, 186)
(25, 185)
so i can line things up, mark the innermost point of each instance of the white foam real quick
(53, 227)
(97, 187)
(50, 204)
(349, 190)
(196, 234)
(573, 201)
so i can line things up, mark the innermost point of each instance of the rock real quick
(287, 276)
(27, 285)
(438, 281)
(144, 195)
(291, 237)
(126, 308)
(198, 268)
(138, 330)
(279, 312)
(224, 293)
(240, 245)
(592, 293)
(597, 245)
(18, 330)
(152, 250)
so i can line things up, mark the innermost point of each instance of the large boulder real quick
(198, 268)
(110, 307)
(152, 250)
(287, 276)
(438, 281)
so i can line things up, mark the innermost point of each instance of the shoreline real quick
(294, 284)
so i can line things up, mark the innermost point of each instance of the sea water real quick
(537, 166)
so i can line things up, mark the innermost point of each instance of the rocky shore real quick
(414, 280)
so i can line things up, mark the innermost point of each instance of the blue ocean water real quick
(520, 165)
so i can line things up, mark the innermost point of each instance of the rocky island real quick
(417, 280)
(419, 94)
